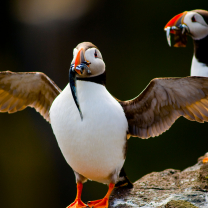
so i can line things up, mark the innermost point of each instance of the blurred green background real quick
(39, 35)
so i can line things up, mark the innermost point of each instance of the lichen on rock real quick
(179, 204)
(161, 189)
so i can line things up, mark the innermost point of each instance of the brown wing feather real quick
(22, 89)
(163, 101)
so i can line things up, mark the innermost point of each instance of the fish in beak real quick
(80, 64)
(180, 30)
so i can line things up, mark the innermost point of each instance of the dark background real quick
(39, 35)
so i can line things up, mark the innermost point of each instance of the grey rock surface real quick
(167, 189)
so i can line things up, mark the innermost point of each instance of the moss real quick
(179, 204)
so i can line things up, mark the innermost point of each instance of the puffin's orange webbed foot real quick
(102, 203)
(77, 204)
(205, 160)
(93, 203)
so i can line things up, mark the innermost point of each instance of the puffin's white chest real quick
(94, 146)
(198, 69)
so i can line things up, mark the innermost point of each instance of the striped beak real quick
(79, 61)
(177, 27)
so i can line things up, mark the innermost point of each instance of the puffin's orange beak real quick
(177, 27)
(80, 58)
(175, 21)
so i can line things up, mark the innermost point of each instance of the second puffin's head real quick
(193, 23)
(87, 54)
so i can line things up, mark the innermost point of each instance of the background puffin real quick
(195, 24)
(90, 125)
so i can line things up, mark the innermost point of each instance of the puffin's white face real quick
(94, 57)
(193, 23)
(198, 28)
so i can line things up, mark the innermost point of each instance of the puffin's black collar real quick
(100, 79)
(200, 50)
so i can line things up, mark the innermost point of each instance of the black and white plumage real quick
(195, 24)
(95, 145)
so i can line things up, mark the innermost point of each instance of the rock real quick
(179, 204)
(167, 189)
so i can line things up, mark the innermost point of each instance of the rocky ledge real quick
(167, 189)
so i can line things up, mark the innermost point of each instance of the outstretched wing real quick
(163, 101)
(22, 89)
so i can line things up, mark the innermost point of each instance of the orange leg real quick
(78, 202)
(205, 160)
(102, 203)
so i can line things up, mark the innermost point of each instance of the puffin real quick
(195, 24)
(91, 126)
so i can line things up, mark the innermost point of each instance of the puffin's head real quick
(193, 23)
(87, 64)
(87, 60)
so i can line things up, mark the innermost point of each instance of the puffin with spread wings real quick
(91, 126)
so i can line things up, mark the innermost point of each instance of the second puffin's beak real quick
(176, 26)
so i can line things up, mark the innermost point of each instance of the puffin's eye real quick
(193, 19)
(95, 54)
